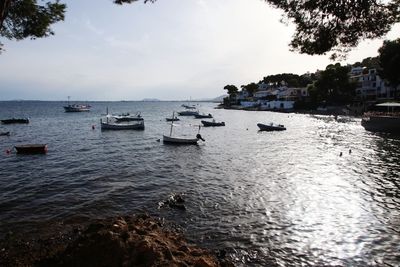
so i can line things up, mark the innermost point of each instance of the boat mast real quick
(172, 123)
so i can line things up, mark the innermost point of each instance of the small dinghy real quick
(271, 127)
(203, 116)
(172, 119)
(212, 123)
(188, 113)
(31, 149)
(14, 120)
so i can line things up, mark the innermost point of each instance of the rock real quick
(122, 241)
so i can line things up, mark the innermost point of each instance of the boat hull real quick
(188, 113)
(209, 116)
(11, 121)
(384, 124)
(179, 141)
(212, 124)
(270, 128)
(76, 108)
(112, 126)
(170, 119)
(31, 149)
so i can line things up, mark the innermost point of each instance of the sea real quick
(325, 192)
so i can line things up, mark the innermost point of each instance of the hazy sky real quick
(173, 49)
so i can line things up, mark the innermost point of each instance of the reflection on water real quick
(323, 193)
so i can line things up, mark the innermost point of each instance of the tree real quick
(389, 60)
(20, 19)
(325, 25)
(334, 86)
(251, 88)
(232, 91)
(321, 25)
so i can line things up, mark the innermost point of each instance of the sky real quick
(170, 50)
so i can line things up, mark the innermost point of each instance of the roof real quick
(389, 104)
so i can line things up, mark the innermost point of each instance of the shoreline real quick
(130, 240)
(333, 112)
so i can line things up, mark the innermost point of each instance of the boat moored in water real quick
(271, 127)
(4, 133)
(172, 119)
(212, 123)
(383, 121)
(31, 149)
(15, 120)
(203, 116)
(76, 107)
(124, 117)
(181, 140)
(188, 113)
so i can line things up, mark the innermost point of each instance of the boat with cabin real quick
(111, 123)
(385, 117)
(271, 127)
(124, 117)
(188, 106)
(76, 107)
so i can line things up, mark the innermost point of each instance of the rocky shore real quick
(122, 241)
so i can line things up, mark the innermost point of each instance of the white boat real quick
(383, 121)
(128, 117)
(188, 107)
(111, 123)
(271, 127)
(76, 107)
(181, 140)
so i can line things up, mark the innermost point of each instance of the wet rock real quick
(122, 241)
(175, 201)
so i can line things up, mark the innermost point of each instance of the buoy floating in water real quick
(8, 151)
(93, 127)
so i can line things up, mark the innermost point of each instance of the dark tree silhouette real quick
(389, 60)
(325, 25)
(321, 25)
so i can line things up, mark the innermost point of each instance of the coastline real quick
(130, 240)
(336, 111)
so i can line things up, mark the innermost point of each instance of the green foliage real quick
(389, 59)
(232, 90)
(292, 80)
(251, 88)
(326, 25)
(333, 85)
(22, 19)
